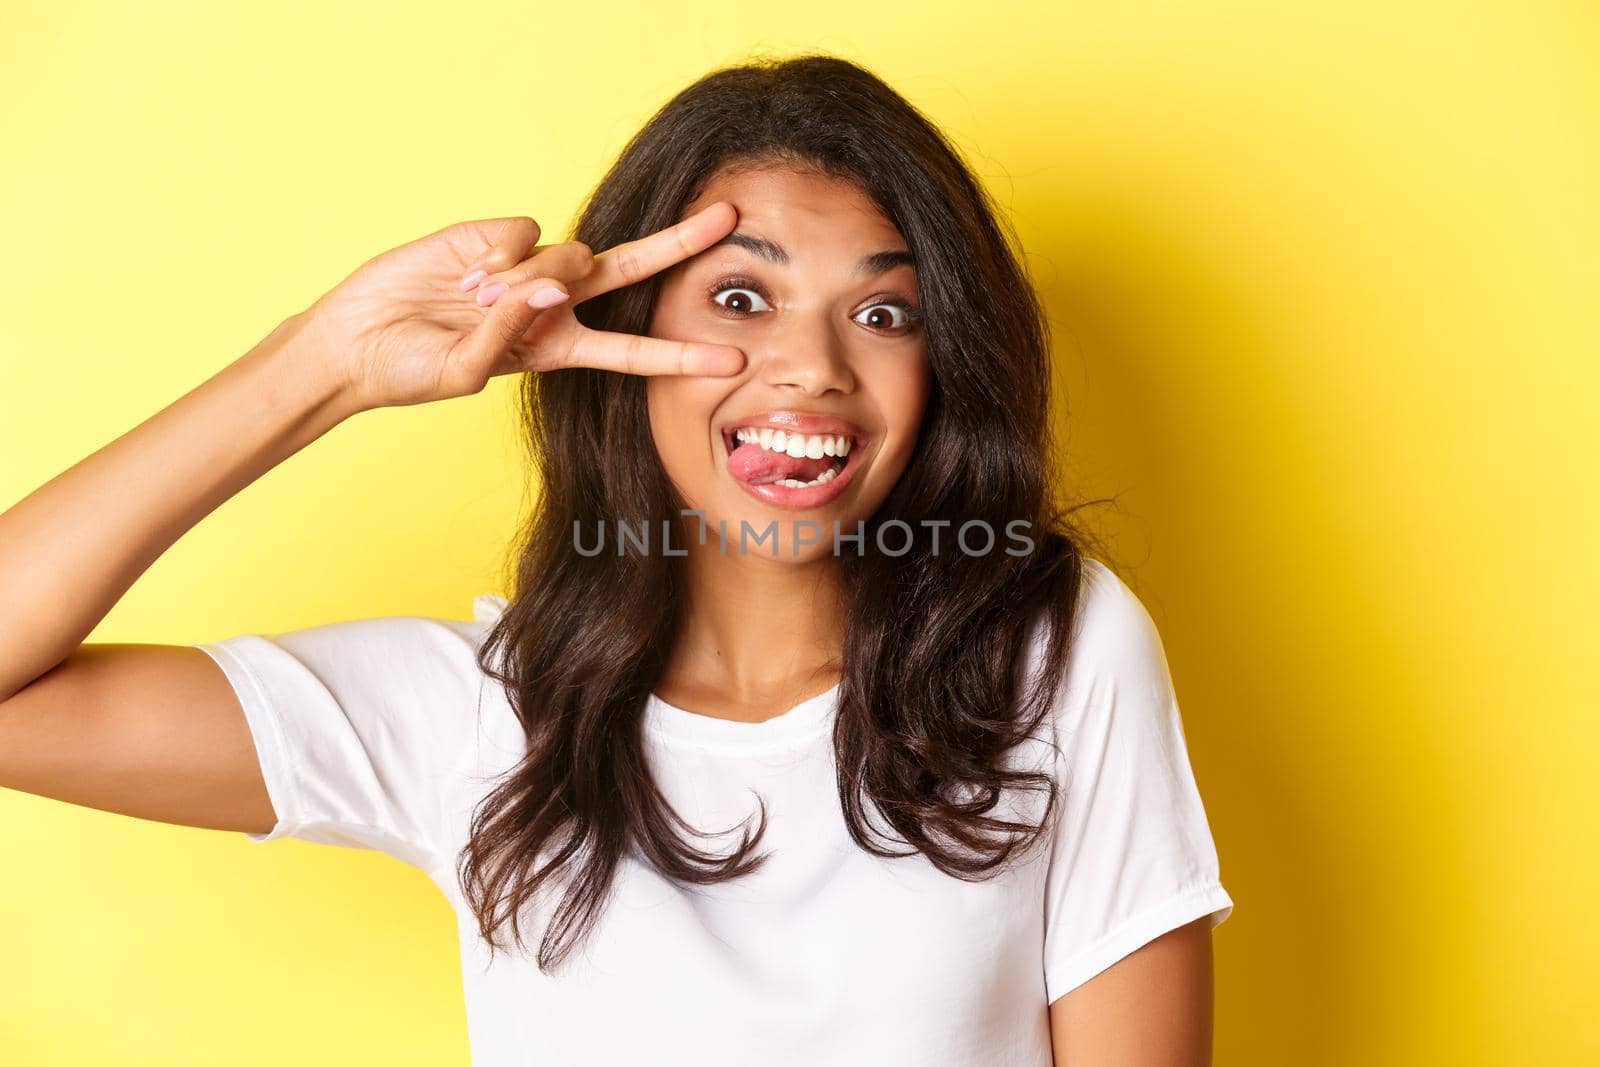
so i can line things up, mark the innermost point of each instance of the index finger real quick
(633, 261)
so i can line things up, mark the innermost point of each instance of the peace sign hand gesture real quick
(427, 321)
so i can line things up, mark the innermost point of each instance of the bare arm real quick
(1152, 1008)
(70, 550)
(146, 730)
(156, 731)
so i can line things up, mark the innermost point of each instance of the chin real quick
(772, 533)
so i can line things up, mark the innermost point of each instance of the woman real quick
(809, 733)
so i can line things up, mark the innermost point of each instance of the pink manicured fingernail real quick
(490, 293)
(473, 279)
(548, 296)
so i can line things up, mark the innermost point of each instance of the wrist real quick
(302, 349)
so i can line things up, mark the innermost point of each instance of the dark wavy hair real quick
(930, 698)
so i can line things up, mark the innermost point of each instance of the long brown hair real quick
(930, 698)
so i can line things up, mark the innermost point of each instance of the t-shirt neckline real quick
(802, 720)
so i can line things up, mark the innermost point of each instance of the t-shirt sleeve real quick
(362, 727)
(1131, 853)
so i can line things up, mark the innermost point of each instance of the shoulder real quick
(1115, 662)
(1113, 635)
(1114, 632)
(364, 727)
(386, 668)
(398, 650)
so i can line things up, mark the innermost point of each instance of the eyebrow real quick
(763, 248)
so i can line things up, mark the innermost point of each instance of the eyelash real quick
(912, 312)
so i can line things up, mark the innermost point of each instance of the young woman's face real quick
(804, 286)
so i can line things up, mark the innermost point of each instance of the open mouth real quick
(763, 455)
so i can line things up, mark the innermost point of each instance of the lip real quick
(804, 422)
(798, 421)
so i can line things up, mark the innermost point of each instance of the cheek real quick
(672, 313)
(680, 419)
(902, 389)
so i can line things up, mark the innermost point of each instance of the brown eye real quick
(741, 299)
(881, 316)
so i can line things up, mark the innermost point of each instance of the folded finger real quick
(483, 351)
(568, 261)
(510, 240)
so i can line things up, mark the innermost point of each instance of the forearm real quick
(70, 549)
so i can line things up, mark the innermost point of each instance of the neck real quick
(757, 632)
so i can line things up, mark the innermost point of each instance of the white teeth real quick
(812, 446)
(826, 476)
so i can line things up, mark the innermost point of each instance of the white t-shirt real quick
(383, 733)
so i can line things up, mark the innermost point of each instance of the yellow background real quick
(1325, 288)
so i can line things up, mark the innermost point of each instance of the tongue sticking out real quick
(754, 465)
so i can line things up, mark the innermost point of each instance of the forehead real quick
(778, 202)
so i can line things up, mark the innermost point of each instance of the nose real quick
(806, 354)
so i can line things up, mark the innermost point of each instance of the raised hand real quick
(426, 321)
